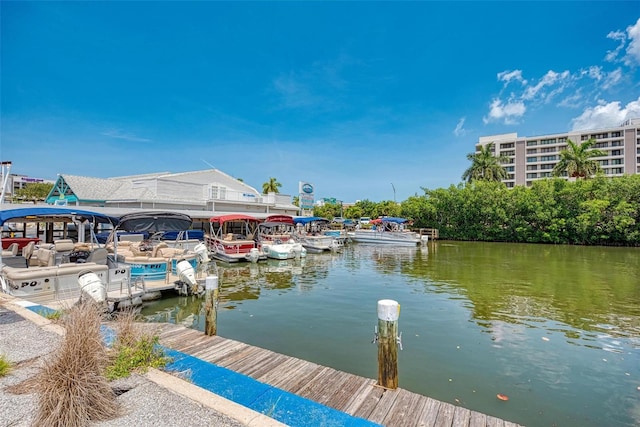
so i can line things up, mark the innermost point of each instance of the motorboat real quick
(314, 234)
(51, 272)
(233, 238)
(138, 242)
(275, 237)
(388, 231)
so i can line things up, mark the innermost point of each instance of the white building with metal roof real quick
(200, 194)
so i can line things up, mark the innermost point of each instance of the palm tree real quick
(271, 186)
(485, 166)
(577, 160)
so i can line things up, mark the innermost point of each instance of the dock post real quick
(211, 305)
(388, 314)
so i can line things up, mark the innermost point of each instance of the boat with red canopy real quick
(232, 238)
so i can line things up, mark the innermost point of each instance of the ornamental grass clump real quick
(5, 365)
(72, 389)
(134, 349)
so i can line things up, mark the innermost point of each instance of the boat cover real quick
(281, 219)
(53, 214)
(307, 219)
(153, 222)
(233, 217)
(390, 219)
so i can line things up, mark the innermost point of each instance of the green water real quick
(556, 328)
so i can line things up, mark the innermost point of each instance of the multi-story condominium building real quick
(532, 158)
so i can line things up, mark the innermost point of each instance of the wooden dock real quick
(352, 394)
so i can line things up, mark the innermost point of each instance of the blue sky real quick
(366, 100)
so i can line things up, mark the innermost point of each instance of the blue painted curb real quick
(281, 405)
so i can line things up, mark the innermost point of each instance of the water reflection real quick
(555, 327)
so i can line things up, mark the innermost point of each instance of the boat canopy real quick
(232, 217)
(153, 222)
(307, 219)
(280, 219)
(53, 214)
(390, 219)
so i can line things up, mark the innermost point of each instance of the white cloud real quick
(460, 130)
(612, 78)
(633, 50)
(507, 76)
(612, 55)
(548, 80)
(606, 115)
(509, 112)
(118, 134)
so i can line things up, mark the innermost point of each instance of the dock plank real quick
(349, 393)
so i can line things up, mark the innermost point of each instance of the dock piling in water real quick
(387, 338)
(211, 305)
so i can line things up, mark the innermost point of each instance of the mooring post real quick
(211, 305)
(388, 314)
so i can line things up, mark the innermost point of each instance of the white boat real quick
(51, 273)
(155, 264)
(388, 231)
(312, 231)
(232, 238)
(275, 237)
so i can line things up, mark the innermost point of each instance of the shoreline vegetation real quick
(599, 211)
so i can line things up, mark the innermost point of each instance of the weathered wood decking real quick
(345, 392)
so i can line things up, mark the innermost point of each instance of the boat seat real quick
(12, 250)
(98, 256)
(169, 252)
(42, 257)
(24, 274)
(158, 247)
(143, 259)
(62, 248)
(27, 251)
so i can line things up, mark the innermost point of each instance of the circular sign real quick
(307, 188)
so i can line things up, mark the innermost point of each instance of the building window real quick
(532, 150)
(616, 134)
(617, 170)
(509, 153)
(617, 143)
(532, 167)
(532, 175)
(562, 139)
(509, 168)
(532, 159)
(509, 184)
(507, 145)
(602, 145)
(546, 166)
(545, 174)
(616, 152)
(548, 150)
(603, 162)
(616, 161)
(532, 143)
(547, 141)
(584, 137)
(217, 192)
(547, 158)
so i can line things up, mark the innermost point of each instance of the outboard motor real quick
(91, 286)
(186, 273)
(202, 252)
(254, 255)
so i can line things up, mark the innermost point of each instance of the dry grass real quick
(72, 390)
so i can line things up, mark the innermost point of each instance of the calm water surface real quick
(556, 328)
